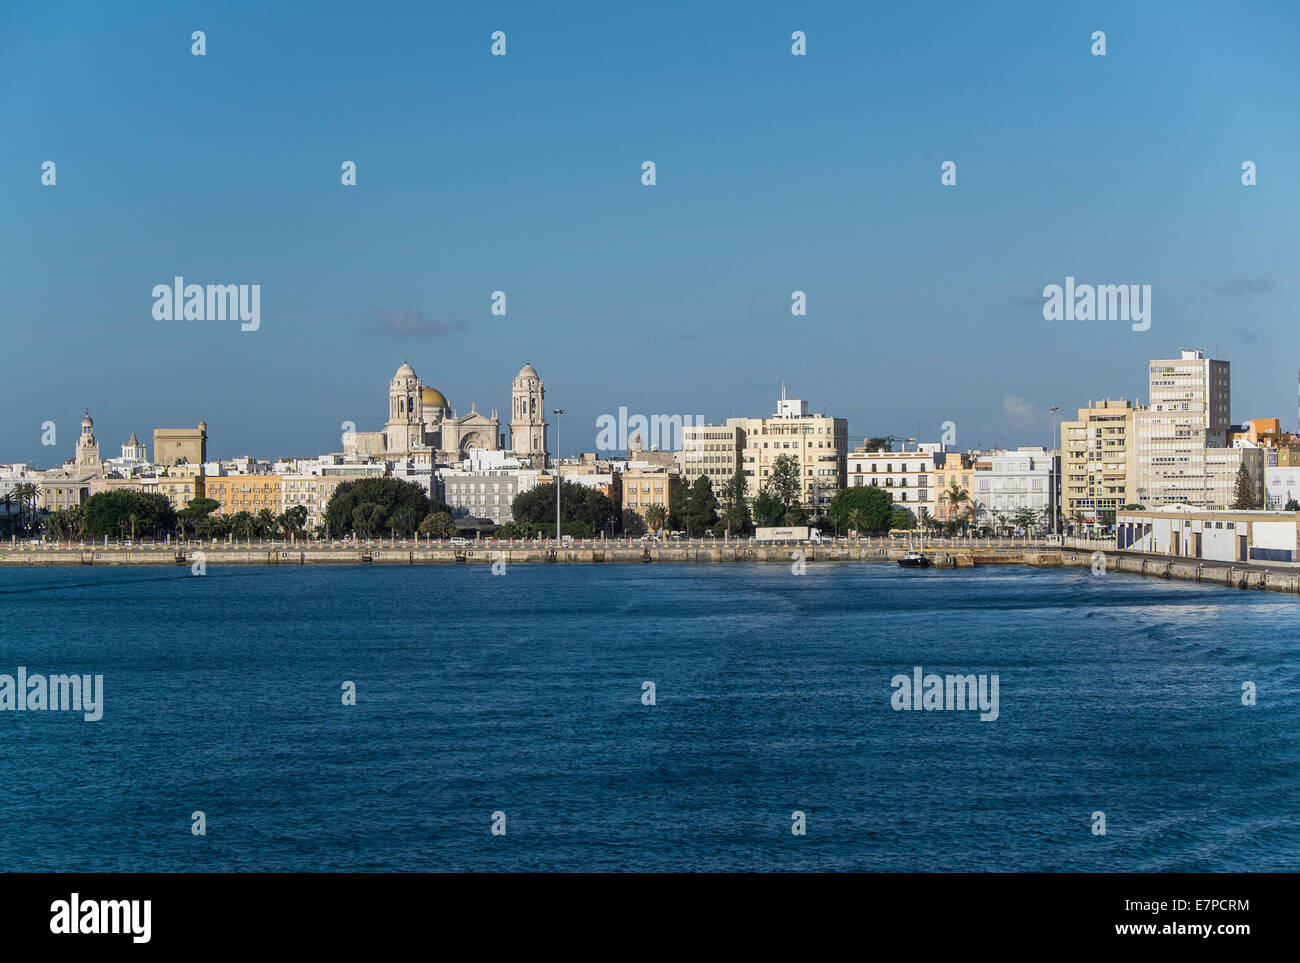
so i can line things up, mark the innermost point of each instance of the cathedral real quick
(420, 420)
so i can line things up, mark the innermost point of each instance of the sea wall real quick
(1191, 570)
(1232, 576)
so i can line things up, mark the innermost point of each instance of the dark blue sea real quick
(522, 694)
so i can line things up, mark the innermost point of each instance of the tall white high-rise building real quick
(1189, 413)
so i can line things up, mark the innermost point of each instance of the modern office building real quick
(1188, 414)
(714, 451)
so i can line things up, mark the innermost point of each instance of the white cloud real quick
(1018, 410)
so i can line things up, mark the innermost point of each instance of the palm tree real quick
(655, 516)
(926, 520)
(956, 496)
(857, 521)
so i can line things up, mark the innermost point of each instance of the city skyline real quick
(775, 174)
(373, 421)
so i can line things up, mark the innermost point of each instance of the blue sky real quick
(522, 173)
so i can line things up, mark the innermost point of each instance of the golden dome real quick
(433, 398)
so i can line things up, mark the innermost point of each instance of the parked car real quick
(459, 541)
(674, 537)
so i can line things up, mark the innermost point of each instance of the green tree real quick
(856, 520)
(386, 494)
(877, 443)
(438, 525)
(368, 518)
(1292, 505)
(127, 513)
(701, 507)
(902, 518)
(875, 506)
(956, 497)
(584, 511)
(67, 524)
(292, 521)
(195, 513)
(264, 525)
(784, 483)
(242, 525)
(1245, 499)
(735, 506)
(768, 511)
(656, 516)
(405, 520)
(24, 496)
(796, 514)
(633, 524)
(1024, 519)
(679, 495)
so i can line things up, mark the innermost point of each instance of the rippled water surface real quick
(522, 694)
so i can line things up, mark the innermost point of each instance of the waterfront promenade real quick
(950, 553)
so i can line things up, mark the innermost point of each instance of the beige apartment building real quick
(714, 451)
(1098, 459)
(817, 442)
(312, 492)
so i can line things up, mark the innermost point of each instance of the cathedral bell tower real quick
(528, 416)
(405, 427)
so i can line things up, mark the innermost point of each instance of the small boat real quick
(914, 559)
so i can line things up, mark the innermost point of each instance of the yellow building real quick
(643, 487)
(246, 493)
(182, 484)
(1098, 459)
(952, 468)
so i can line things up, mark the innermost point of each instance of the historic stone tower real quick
(405, 427)
(87, 449)
(528, 416)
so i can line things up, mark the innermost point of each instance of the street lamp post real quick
(557, 412)
(1056, 480)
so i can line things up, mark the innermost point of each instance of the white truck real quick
(789, 533)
